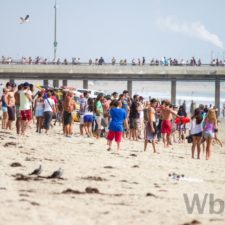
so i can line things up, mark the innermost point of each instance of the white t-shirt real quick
(195, 128)
(25, 103)
(88, 112)
(49, 104)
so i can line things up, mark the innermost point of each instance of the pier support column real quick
(217, 95)
(11, 80)
(45, 82)
(85, 84)
(55, 83)
(130, 87)
(173, 91)
(65, 82)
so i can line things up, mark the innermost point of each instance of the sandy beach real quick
(133, 186)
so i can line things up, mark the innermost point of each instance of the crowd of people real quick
(164, 61)
(113, 116)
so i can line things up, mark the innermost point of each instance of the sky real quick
(117, 28)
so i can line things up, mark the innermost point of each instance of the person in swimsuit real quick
(166, 116)
(150, 130)
(209, 129)
(17, 108)
(39, 111)
(10, 101)
(196, 132)
(4, 109)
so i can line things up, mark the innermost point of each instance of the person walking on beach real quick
(17, 108)
(196, 132)
(133, 118)
(88, 117)
(140, 116)
(209, 130)
(25, 107)
(118, 118)
(126, 106)
(83, 104)
(98, 108)
(69, 107)
(150, 130)
(10, 101)
(4, 109)
(166, 116)
(39, 111)
(49, 108)
(181, 126)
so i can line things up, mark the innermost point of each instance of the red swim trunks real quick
(115, 134)
(26, 115)
(166, 127)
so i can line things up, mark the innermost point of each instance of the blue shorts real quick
(88, 118)
(4, 109)
(39, 113)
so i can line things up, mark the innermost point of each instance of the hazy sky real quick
(121, 28)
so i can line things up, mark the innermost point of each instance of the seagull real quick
(24, 20)
(57, 174)
(37, 171)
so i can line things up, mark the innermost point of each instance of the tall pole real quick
(55, 31)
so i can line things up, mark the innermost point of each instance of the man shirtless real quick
(166, 116)
(10, 101)
(150, 129)
(17, 108)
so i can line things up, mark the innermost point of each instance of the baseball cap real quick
(26, 84)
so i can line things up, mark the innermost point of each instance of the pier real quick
(126, 73)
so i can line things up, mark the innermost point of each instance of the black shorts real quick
(11, 113)
(197, 135)
(67, 118)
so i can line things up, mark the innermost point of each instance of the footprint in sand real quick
(15, 164)
(90, 190)
(193, 222)
(7, 144)
(108, 167)
(135, 166)
(93, 178)
(151, 195)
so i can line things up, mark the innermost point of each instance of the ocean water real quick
(199, 92)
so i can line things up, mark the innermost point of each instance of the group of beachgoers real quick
(113, 116)
(164, 61)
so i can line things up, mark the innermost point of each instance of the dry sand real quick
(123, 181)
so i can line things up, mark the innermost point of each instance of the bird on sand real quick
(25, 19)
(57, 174)
(37, 171)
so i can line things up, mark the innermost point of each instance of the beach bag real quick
(189, 139)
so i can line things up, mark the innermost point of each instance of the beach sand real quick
(133, 185)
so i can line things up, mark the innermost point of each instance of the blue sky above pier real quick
(120, 28)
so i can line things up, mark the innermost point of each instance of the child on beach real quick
(118, 117)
